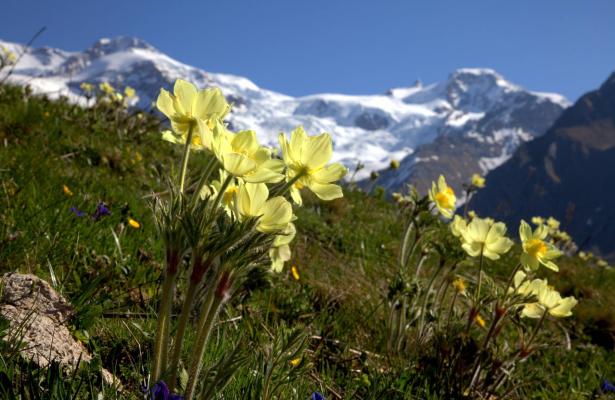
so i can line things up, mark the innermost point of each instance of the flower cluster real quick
(547, 299)
(107, 93)
(230, 217)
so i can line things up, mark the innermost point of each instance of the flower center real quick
(446, 198)
(535, 248)
(227, 198)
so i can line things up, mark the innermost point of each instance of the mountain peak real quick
(118, 44)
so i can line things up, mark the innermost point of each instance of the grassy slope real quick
(345, 253)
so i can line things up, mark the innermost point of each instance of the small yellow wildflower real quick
(471, 214)
(87, 87)
(602, 264)
(394, 164)
(443, 197)
(553, 223)
(295, 362)
(480, 321)
(478, 181)
(458, 225)
(9, 56)
(134, 224)
(67, 190)
(295, 272)
(460, 285)
(535, 250)
(107, 88)
(583, 256)
(538, 221)
(129, 92)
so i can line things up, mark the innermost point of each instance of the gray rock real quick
(38, 316)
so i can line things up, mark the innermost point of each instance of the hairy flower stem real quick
(205, 177)
(480, 277)
(424, 305)
(161, 344)
(511, 277)
(179, 336)
(210, 311)
(483, 350)
(225, 184)
(185, 156)
(284, 189)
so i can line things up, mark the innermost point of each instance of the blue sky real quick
(358, 47)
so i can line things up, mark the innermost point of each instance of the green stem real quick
(424, 305)
(284, 189)
(185, 156)
(161, 344)
(205, 324)
(179, 336)
(225, 184)
(480, 277)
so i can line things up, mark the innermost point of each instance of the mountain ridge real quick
(565, 173)
(372, 129)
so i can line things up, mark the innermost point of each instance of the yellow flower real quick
(295, 362)
(552, 223)
(538, 221)
(460, 285)
(480, 321)
(67, 190)
(549, 300)
(187, 108)
(243, 157)
(9, 56)
(478, 181)
(583, 256)
(295, 272)
(483, 236)
(87, 87)
(279, 252)
(306, 159)
(129, 92)
(394, 164)
(471, 214)
(107, 88)
(602, 264)
(273, 214)
(535, 250)
(133, 223)
(458, 225)
(443, 197)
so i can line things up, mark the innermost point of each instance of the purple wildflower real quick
(77, 212)
(317, 396)
(607, 386)
(160, 391)
(101, 211)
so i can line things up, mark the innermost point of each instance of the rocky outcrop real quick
(567, 173)
(38, 317)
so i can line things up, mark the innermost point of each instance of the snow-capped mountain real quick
(476, 106)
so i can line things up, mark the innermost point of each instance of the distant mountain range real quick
(470, 122)
(569, 173)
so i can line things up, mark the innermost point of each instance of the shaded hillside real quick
(568, 173)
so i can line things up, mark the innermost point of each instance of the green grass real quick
(345, 253)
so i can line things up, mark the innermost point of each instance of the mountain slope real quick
(568, 173)
(372, 129)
